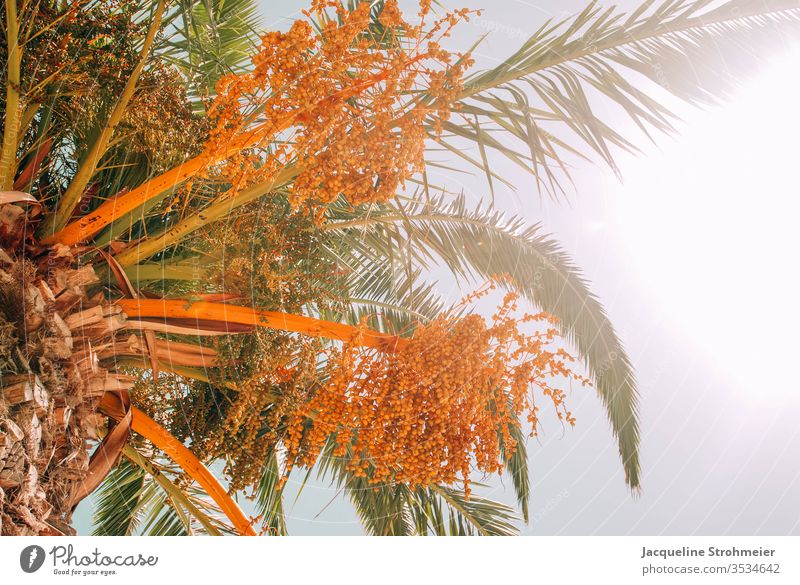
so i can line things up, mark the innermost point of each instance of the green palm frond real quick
(130, 502)
(140, 497)
(388, 305)
(390, 313)
(478, 244)
(117, 511)
(160, 519)
(517, 468)
(438, 510)
(550, 94)
(389, 291)
(399, 510)
(381, 510)
(210, 38)
(269, 499)
(466, 516)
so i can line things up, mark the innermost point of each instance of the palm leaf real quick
(548, 94)
(138, 497)
(269, 499)
(470, 516)
(119, 501)
(399, 510)
(517, 467)
(381, 509)
(390, 293)
(207, 39)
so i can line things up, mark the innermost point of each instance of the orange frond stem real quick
(180, 454)
(207, 314)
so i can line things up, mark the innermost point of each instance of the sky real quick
(692, 254)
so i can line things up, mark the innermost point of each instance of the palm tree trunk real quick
(50, 380)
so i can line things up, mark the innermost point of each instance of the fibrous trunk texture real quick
(51, 331)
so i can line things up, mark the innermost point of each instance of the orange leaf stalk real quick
(90, 224)
(222, 313)
(177, 451)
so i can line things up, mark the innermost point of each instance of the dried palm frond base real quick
(50, 379)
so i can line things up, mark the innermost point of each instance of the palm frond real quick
(389, 297)
(399, 510)
(142, 496)
(269, 499)
(550, 95)
(119, 501)
(131, 502)
(160, 519)
(381, 509)
(207, 39)
(517, 467)
(466, 516)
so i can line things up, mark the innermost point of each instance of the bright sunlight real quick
(715, 239)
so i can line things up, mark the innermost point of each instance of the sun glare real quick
(712, 224)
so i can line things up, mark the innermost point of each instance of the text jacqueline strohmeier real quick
(711, 551)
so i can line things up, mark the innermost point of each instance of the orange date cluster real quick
(350, 105)
(443, 403)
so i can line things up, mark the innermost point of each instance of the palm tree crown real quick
(215, 242)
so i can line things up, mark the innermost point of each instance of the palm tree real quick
(104, 170)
